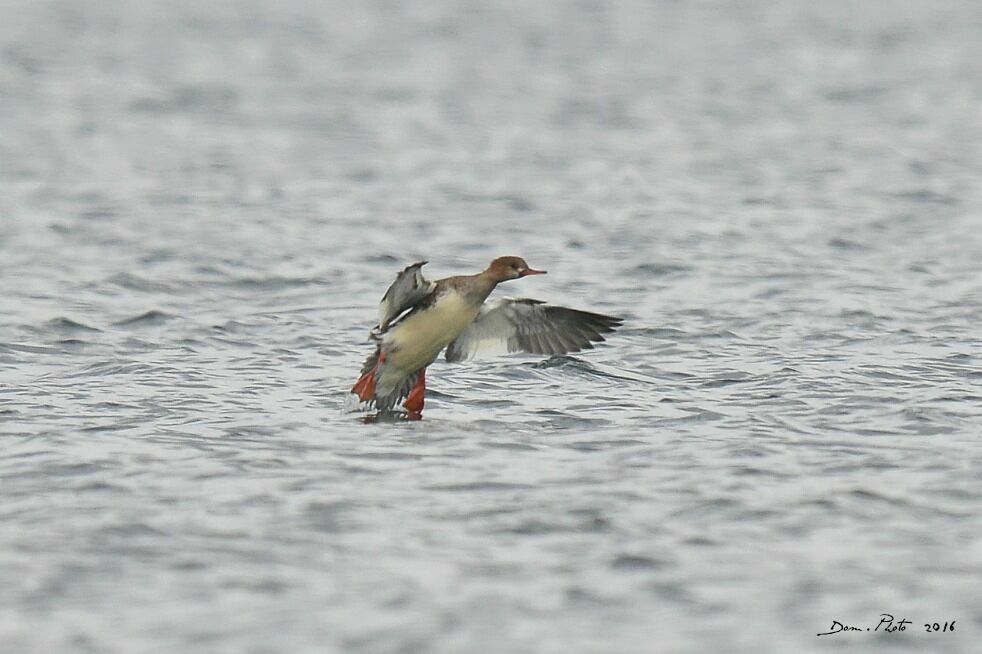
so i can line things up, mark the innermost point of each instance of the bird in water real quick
(418, 318)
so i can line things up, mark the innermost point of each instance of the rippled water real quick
(201, 203)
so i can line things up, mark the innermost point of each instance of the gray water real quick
(201, 203)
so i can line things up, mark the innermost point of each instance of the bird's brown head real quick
(504, 268)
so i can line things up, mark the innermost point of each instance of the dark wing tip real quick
(564, 330)
(587, 319)
(606, 324)
(418, 264)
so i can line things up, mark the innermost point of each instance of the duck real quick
(419, 318)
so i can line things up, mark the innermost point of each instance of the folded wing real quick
(523, 325)
(408, 290)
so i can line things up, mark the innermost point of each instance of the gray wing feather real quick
(523, 325)
(409, 288)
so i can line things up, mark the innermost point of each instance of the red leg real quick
(364, 388)
(414, 402)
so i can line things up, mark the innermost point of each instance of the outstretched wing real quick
(409, 288)
(513, 325)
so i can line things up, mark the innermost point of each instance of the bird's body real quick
(419, 318)
(417, 341)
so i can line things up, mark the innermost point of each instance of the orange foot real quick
(364, 388)
(414, 402)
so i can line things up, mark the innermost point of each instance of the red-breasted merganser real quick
(418, 318)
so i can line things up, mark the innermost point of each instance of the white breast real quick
(417, 340)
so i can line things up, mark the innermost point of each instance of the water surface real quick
(201, 203)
